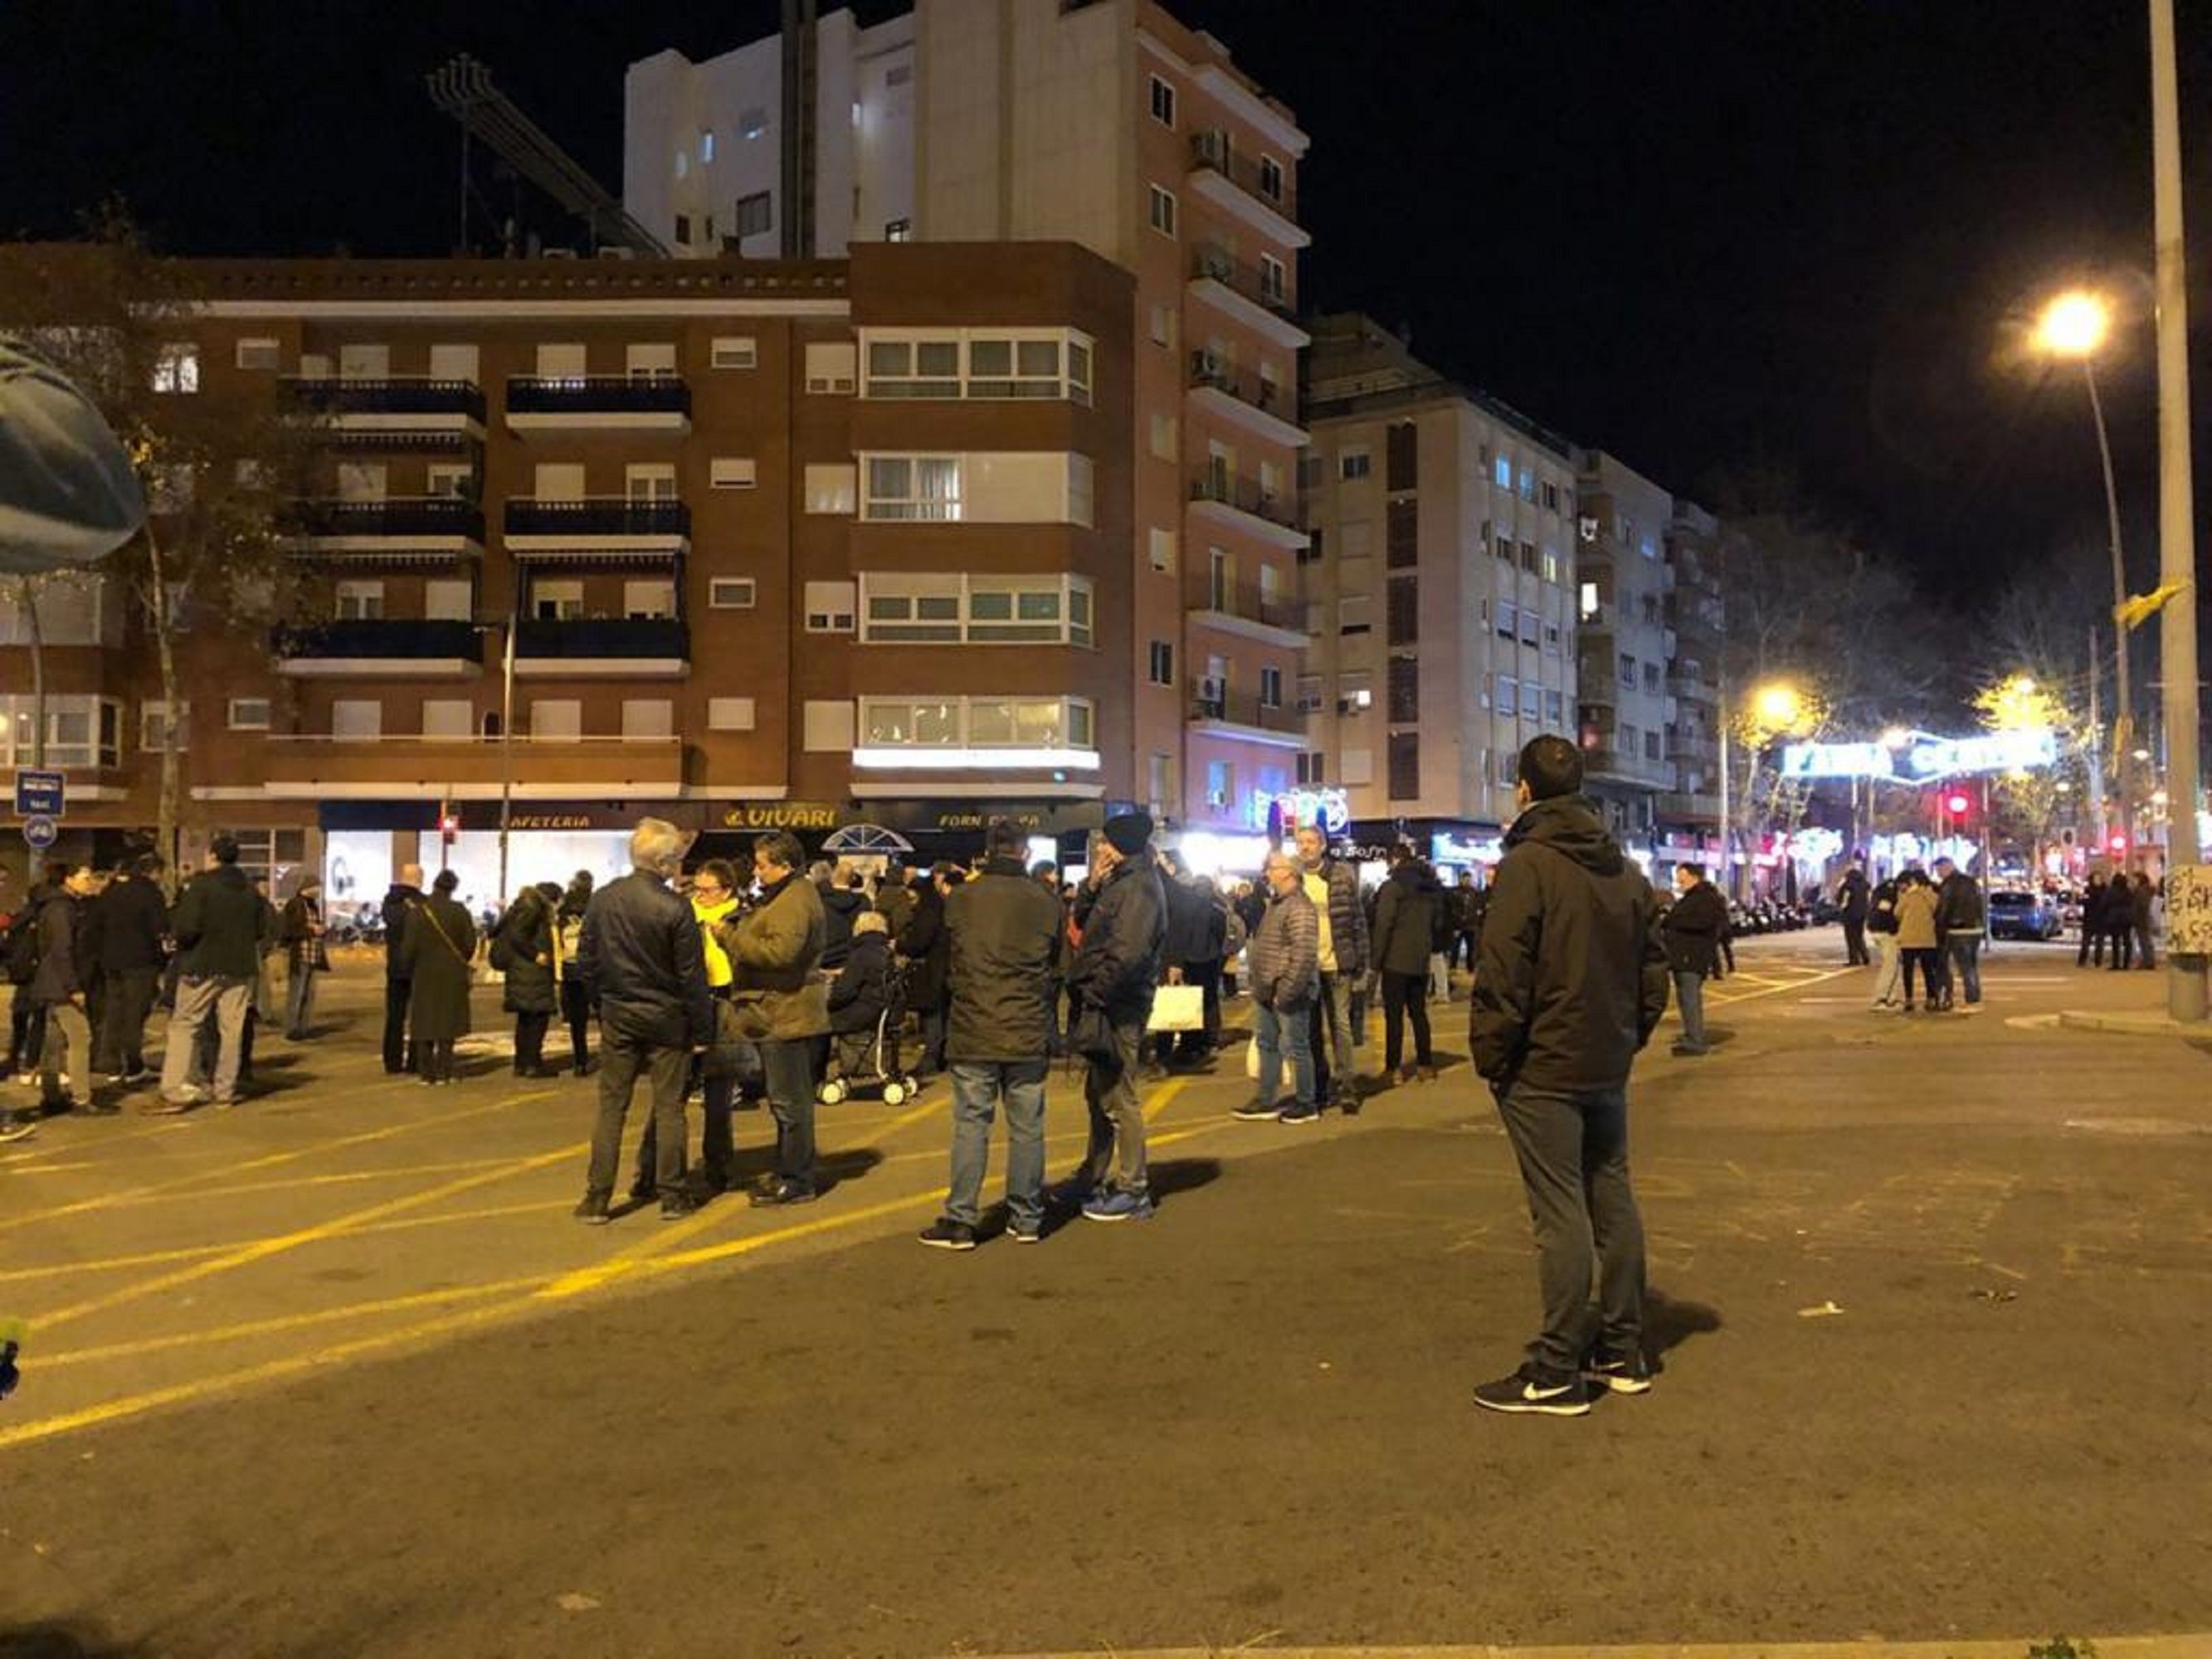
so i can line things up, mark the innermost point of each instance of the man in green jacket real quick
(219, 929)
(774, 949)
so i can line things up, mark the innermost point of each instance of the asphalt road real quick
(333, 1374)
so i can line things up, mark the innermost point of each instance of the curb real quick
(2132, 1024)
(2107, 1647)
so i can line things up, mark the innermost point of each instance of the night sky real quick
(1794, 235)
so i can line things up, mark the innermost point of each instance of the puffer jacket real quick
(1283, 956)
(1959, 907)
(525, 934)
(639, 955)
(1344, 948)
(1005, 932)
(1407, 916)
(774, 949)
(1124, 937)
(1572, 978)
(839, 905)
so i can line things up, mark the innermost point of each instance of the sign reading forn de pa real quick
(39, 794)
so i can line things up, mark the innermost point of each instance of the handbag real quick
(1091, 1034)
(1177, 1008)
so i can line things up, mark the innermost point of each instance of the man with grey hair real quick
(783, 1005)
(643, 968)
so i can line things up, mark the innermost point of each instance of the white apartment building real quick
(1626, 706)
(1110, 124)
(1441, 594)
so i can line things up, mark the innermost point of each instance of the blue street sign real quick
(40, 792)
(40, 831)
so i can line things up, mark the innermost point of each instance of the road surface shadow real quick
(1182, 1174)
(847, 1163)
(1669, 1323)
(60, 1642)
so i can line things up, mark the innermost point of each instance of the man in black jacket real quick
(221, 926)
(58, 987)
(1959, 916)
(641, 961)
(133, 949)
(1692, 929)
(1005, 929)
(400, 904)
(1851, 903)
(1570, 984)
(1123, 919)
(1192, 952)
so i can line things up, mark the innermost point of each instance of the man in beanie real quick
(1123, 919)
(1570, 984)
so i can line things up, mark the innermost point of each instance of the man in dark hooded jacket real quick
(1570, 984)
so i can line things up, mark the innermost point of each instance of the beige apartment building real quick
(842, 545)
(1112, 125)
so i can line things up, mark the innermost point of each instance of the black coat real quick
(134, 925)
(640, 955)
(526, 933)
(1692, 926)
(1407, 915)
(220, 924)
(399, 903)
(1572, 978)
(1194, 927)
(1003, 930)
(1851, 896)
(436, 960)
(923, 942)
(839, 905)
(1117, 964)
(861, 990)
(64, 970)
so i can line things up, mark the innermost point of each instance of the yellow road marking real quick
(1723, 1000)
(260, 1249)
(109, 1200)
(1157, 1101)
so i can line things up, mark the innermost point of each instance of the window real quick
(448, 719)
(1309, 694)
(1354, 464)
(752, 122)
(683, 229)
(1403, 682)
(1405, 765)
(1651, 678)
(730, 714)
(449, 599)
(949, 608)
(1402, 534)
(1271, 688)
(1652, 745)
(1402, 456)
(1587, 602)
(1312, 768)
(1271, 179)
(1628, 671)
(1551, 639)
(1163, 212)
(555, 721)
(1551, 496)
(1274, 279)
(1629, 738)
(732, 472)
(734, 351)
(1508, 768)
(730, 593)
(1161, 545)
(651, 599)
(648, 718)
(1404, 615)
(753, 215)
(913, 487)
(899, 230)
(257, 353)
(557, 600)
(1506, 706)
(832, 487)
(1528, 561)
(706, 144)
(177, 366)
(1163, 102)
(831, 607)
(979, 363)
(1651, 610)
(1529, 623)
(1527, 485)
(1165, 444)
(153, 725)
(560, 362)
(356, 720)
(1551, 566)
(649, 360)
(360, 601)
(1161, 669)
(831, 366)
(1506, 617)
(1553, 710)
(1352, 614)
(649, 481)
(1221, 783)
(914, 369)
(1081, 484)
(1162, 329)
(451, 481)
(1501, 472)
(1060, 728)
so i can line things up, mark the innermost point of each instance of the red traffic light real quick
(1957, 806)
(2120, 843)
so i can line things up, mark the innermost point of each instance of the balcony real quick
(414, 649)
(1246, 292)
(1252, 613)
(1224, 499)
(325, 767)
(417, 528)
(395, 413)
(1263, 407)
(593, 526)
(1217, 711)
(598, 403)
(602, 647)
(1238, 186)
(1691, 810)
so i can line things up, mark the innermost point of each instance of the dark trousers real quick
(2123, 945)
(623, 1061)
(717, 1147)
(789, 1065)
(932, 1041)
(1189, 1046)
(1928, 961)
(2143, 958)
(1405, 995)
(398, 1053)
(530, 1041)
(1573, 1151)
(2092, 953)
(122, 1045)
(1855, 951)
(576, 1009)
(1464, 946)
(26, 1032)
(436, 1059)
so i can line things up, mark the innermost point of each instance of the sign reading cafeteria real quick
(1924, 756)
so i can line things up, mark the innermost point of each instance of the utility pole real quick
(2185, 974)
(2096, 753)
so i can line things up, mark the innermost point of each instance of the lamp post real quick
(2076, 324)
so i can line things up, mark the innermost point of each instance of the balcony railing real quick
(1677, 805)
(1243, 709)
(600, 394)
(595, 515)
(1245, 495)
(342, 396)
(1252, 604)
(414, 638)
(640, 638)
(310, 763)
(1213, 151)
(415, 516)
(1208, 372)
(1215, 264)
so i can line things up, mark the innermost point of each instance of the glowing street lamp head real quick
(1778, 706)
(2075, 325)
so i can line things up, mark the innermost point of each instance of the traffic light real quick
(449, 823)
(2118, 843)
(1957, 805)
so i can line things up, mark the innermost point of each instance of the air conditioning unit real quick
(1210, 690)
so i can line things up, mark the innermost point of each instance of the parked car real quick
(2017, 913)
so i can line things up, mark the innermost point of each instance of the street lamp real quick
(2076, 324)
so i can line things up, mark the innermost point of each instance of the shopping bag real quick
(1177, 1008)
(1252, 1060)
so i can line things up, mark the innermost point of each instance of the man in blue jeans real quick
(1003, 930)
(1284, 959)
(1960, 917)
